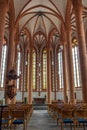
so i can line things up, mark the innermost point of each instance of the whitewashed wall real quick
(59, 95)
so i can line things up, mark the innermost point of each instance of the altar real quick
(39, 100)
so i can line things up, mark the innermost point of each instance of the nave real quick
(43, 58)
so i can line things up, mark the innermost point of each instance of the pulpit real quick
(39, 100)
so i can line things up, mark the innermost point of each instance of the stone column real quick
(24, 66)
(70, 68)
(69, 50)
(11, 50)
(77, 4)
(11, 46)
(23, 72)
(48, 75)
(26, 69)
(30, 74)
(54, 65)
(16, 41)
(65, 73)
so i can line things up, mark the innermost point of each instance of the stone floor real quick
(41, 120)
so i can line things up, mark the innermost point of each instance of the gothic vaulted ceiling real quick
(44, 17)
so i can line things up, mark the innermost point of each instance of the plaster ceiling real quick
(43, 16)
(38, 15)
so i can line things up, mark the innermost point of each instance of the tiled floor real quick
(41, 120)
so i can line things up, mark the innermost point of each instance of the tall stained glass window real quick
(34, 71)
(3, 64)
(76, 63)
(60, 70)
(18, 68)
(44, 70)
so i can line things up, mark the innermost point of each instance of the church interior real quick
(43, 62)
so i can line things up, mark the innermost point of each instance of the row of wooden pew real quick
(74, 115)
(14, 115)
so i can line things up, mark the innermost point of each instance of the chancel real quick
(39, 100)
(43, 63)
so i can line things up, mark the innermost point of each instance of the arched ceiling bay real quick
(38, 15)
(44, 15)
